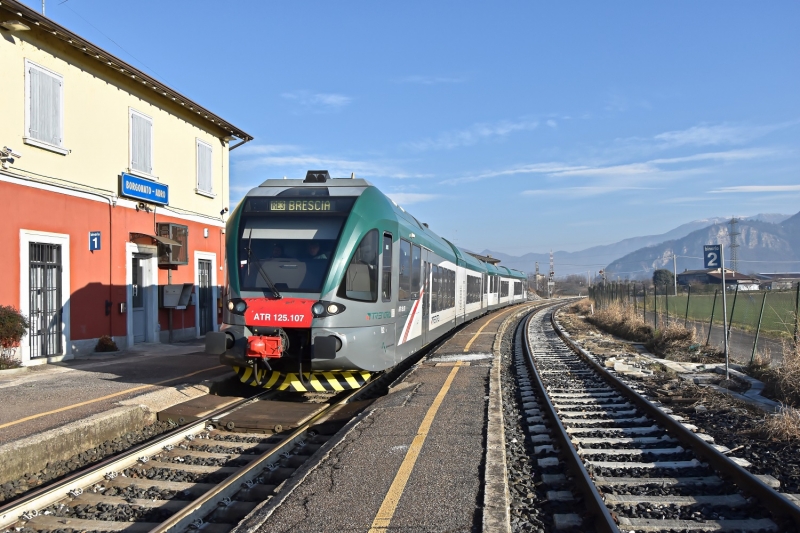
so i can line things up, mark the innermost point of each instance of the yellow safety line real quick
(87, 402)
(389, 505)
(491, 318)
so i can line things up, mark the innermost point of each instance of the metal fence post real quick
(686, 320)
(758, 328)
(711, 323)
(796, 311)
(733, 308)
(655, 306)
(644, 303)
(666, 300)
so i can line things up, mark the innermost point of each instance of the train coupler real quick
(262, 347)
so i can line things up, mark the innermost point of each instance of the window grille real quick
(45, 300)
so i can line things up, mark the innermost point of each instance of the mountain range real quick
(597, 257)
(764, 247)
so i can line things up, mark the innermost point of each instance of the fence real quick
(772, 314)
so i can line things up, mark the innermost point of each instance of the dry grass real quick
(622, 321)
(582, 307)
(785, 425)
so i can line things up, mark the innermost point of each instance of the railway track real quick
(198, 477)
(634, 465)
(195, 477)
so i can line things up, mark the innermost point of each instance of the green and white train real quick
(330, 280)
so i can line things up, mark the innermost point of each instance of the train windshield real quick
(293, 253)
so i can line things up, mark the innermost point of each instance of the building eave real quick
(37, 21)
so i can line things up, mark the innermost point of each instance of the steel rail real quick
(595, 505)
(779, 505)
(54, 492)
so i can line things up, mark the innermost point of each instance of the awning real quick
(157, 238)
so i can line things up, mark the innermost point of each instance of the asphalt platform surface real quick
(83, 387)
(444, 491)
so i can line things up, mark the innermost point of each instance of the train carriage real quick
(330, 280)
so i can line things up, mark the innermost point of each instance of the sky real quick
(517, 126)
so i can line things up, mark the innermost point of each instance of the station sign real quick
(143, 189)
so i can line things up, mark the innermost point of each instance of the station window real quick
(386, 282)
(361, 279)
(205, 179)
(141, 142)
(405, 270)
(44, 110)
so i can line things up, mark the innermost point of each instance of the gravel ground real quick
(59, 469)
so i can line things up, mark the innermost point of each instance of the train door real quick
(426, 300)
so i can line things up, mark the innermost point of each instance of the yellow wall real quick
(96, 124)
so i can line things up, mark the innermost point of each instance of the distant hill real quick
(770, 244)
(594, 258)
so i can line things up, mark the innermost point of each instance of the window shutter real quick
(45, 107)
(204, 174)
(141, 143)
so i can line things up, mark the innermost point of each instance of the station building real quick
(115, 193)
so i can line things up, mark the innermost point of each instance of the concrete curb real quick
(31, 454)
(496, 497)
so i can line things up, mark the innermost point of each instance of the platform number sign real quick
(712, 254)
(94, 241)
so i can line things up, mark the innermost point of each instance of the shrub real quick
(622, 321)
(106, 344)
(13, 326)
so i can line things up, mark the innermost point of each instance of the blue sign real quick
(712, 255)
(144, 189)
(94, 241)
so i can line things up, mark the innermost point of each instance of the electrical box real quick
(171, 254)
(176, 296)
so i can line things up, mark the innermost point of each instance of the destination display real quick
(299, 205)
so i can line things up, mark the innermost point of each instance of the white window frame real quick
(59, 149)
(198, 190)
(131, 170)
(26, 237)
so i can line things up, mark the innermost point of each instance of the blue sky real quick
(517, 127)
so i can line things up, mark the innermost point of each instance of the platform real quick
(414, 460)
(67, 407)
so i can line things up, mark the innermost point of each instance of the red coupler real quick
(264, 347)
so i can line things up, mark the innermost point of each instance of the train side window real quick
(386, 282)
(361, 279)
(405, 270)
(416, 272)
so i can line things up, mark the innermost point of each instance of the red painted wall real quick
(100, 275)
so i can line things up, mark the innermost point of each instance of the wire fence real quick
(772, 313)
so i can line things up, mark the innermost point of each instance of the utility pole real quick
(42, 7)
(551, 279)
(537, 277)
(734, 234)
(675, 272)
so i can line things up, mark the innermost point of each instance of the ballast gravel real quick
(58, 469)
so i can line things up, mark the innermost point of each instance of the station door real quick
(205, 297)
(45, 300)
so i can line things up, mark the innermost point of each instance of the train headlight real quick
(240, 307)
(318, 309)
(230, 305)
(324, 308)
(333, 309)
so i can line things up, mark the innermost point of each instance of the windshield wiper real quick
(260, 268)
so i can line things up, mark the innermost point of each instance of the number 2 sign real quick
(712, 255)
